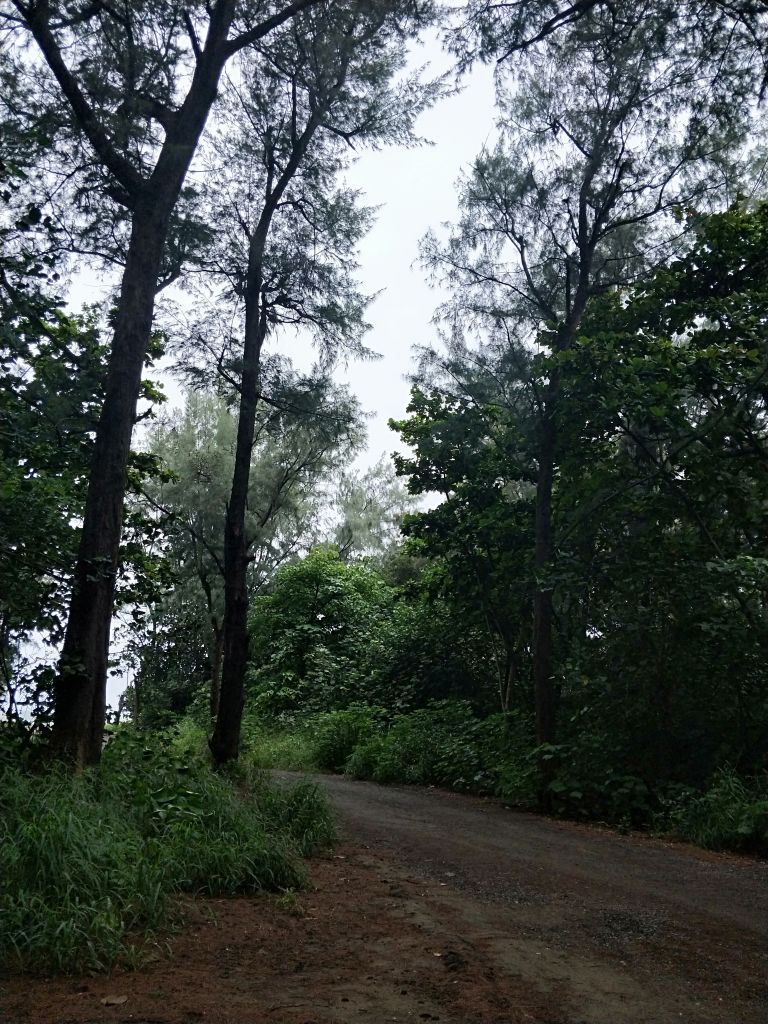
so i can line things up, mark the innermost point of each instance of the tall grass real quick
(89, 865)
(289, 749)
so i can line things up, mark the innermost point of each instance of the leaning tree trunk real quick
(80, 689)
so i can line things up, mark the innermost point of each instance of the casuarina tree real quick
(603, 133)
(288, 230)
(137, 82)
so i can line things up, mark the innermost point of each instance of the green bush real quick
(362, 762)
(405, 755)
(731, 815)
(338, 733)
(444, 744)
(88, 862)
(587, 780)
(321, 742)
(517, 779)
(407, 752)
(285, 747)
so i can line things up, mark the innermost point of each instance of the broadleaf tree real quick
(604, 132)
(294, 454)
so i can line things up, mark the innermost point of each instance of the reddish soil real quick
(439, 907)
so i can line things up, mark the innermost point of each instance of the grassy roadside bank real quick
(90, 867)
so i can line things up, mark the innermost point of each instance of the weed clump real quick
(89, 865)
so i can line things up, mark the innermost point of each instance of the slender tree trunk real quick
(138, 699)
(543, 667)
(545, 689)
(225, 742)
(80, 689)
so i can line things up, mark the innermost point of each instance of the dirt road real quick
(438, 907)
(611, 928)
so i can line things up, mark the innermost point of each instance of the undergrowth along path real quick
(442, 907)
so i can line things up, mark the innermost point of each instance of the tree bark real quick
(80, 689)
(217, 657)
(543, 667)
(225, 741)
(544, 686)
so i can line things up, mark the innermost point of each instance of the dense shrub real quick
(585, 779)
(444, 744)
(78, 875)
(282, 745)
(731, 815)
(311, 635)
(337, 734)
(87, 863)
(330, 634)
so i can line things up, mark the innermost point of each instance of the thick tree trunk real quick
(80, 689)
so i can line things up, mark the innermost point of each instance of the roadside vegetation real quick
(92, 868)
(445, 745)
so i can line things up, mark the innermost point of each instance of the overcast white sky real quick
(416, 190)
